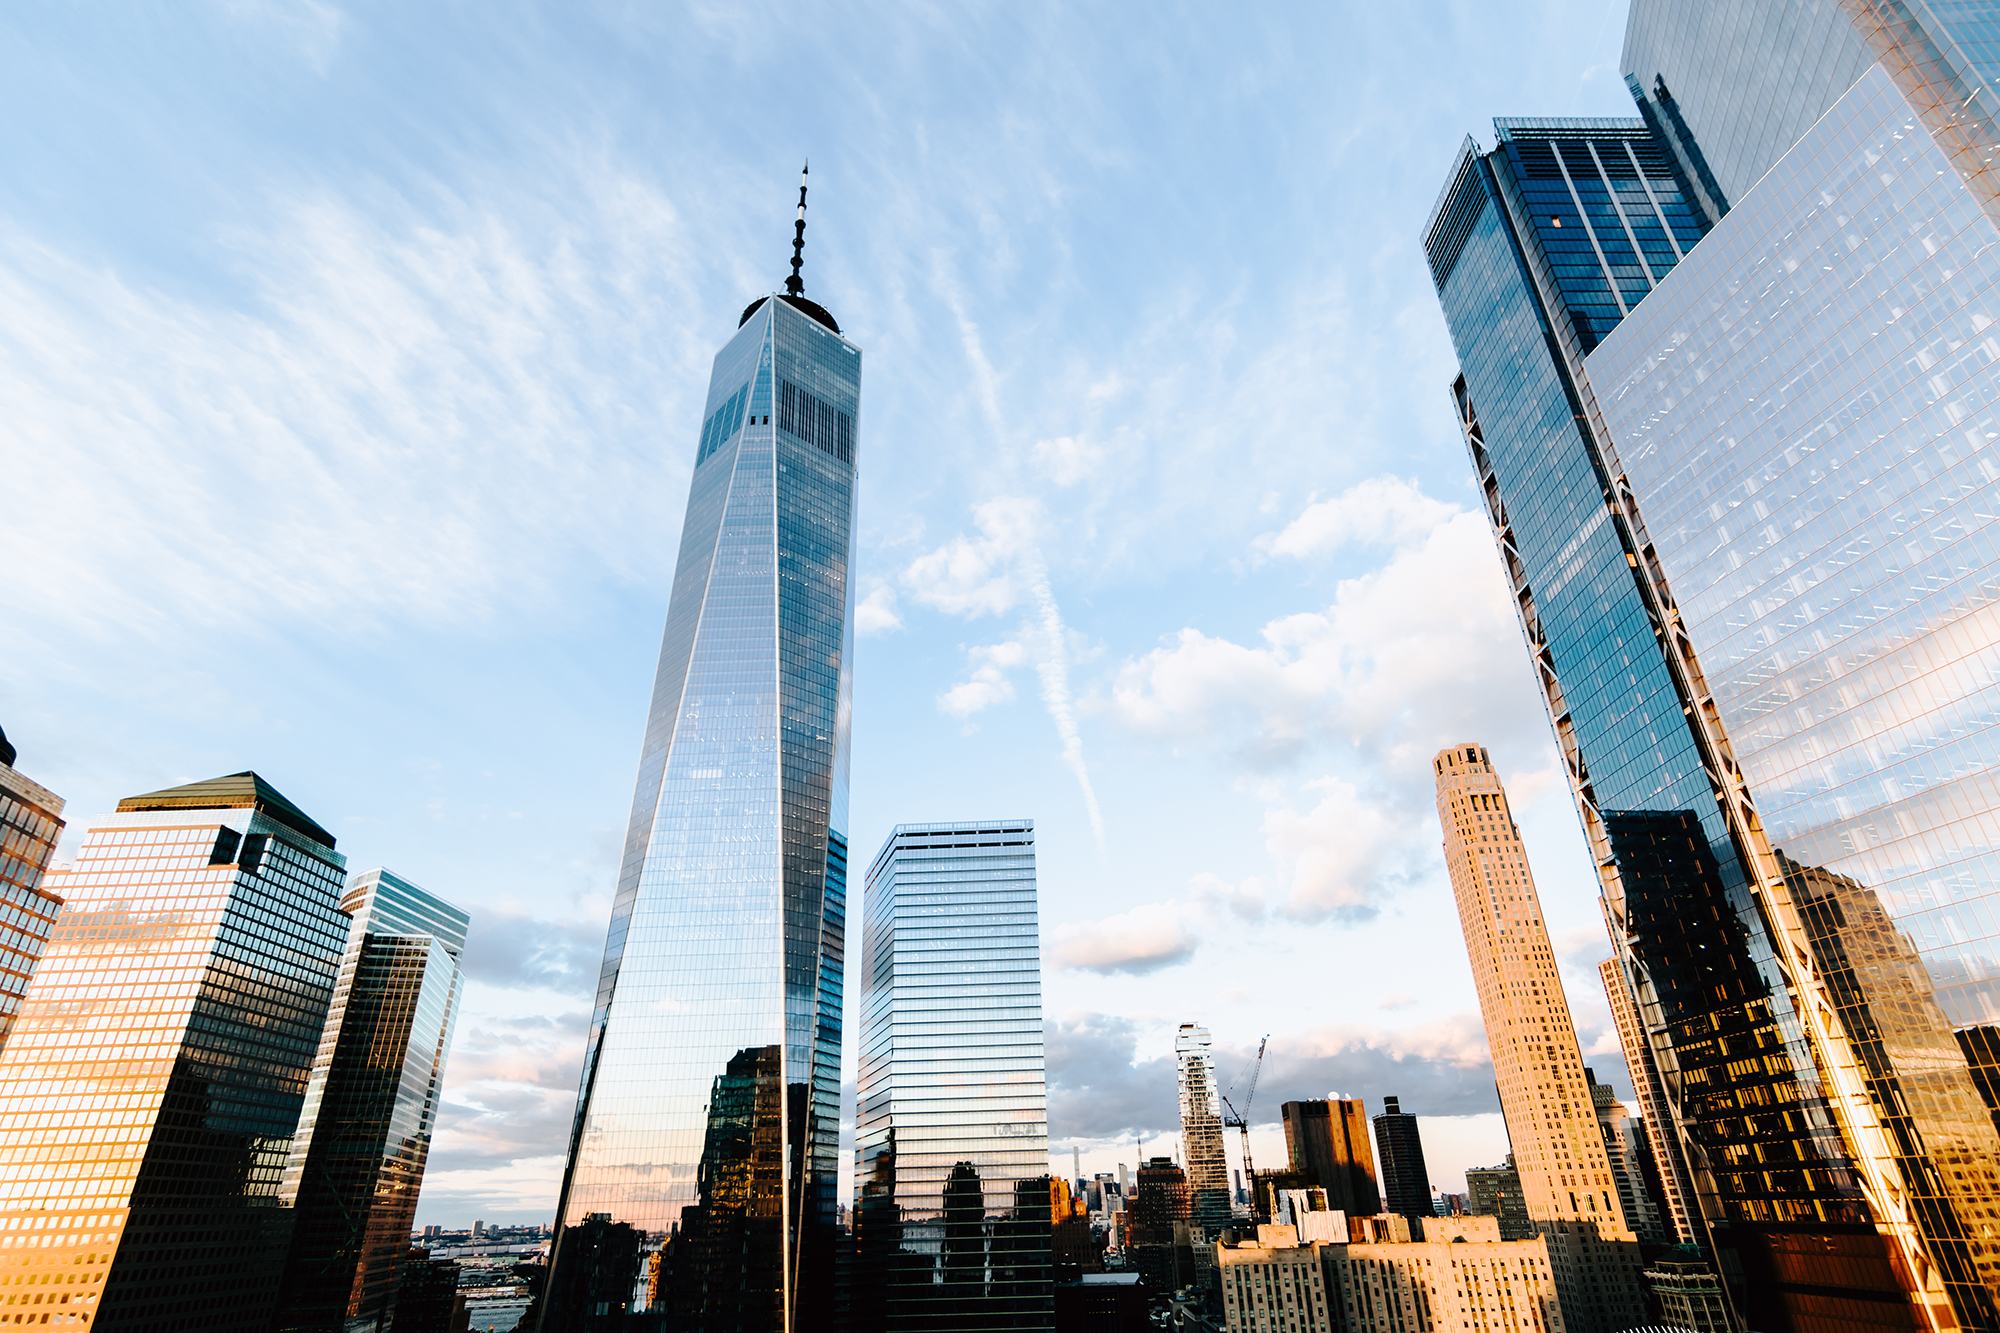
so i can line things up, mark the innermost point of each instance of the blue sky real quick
(350, 381)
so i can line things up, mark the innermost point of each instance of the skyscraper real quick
(357, 1161)
(1327, 1142)
(30, 824)
(1671, 1179)
(1566, 1177)
(953, 1192)
(1201, 1133)
(1406, 1181)
(1742, 524)
(714, 1046)
(154, 1080)
(1623, 1146)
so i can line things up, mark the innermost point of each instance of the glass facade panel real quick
(30, 825)
(1807, 417)
(707, 1121)
(150, 1092)
(1732, 1049)
(357, 1161)
(952, 1208)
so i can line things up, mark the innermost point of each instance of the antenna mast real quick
(795, 284)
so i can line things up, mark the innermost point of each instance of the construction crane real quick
(1240, 1119)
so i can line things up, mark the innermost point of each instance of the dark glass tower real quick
(1406, 1181)
(707, 1121)
(358, 1159)
(1801, 509)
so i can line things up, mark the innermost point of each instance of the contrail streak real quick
(1053, 667)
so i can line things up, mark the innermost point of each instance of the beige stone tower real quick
(1565, 1176)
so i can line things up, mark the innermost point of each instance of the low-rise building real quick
(1455, 1275)
(1272, 1284)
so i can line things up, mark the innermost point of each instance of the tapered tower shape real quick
(707, 1121)
(1565, 1175)
(1201, 1131)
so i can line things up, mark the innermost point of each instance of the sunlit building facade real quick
(1745, 524)
(30, 825)
(1565, 1173)
(1326, 1144)
(155, 1077)
(707, 1117)
(357, 1161)
(953, 1198)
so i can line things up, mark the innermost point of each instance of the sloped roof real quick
(238, 791)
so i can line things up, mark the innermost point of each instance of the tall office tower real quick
(951, 1150)
(1544, 1094)
(1201, 1133)
(1758, 609)
(1670, 1180)
(1327, 1143)
(357, 1161)
(1406, 1181)
(150, 1091)
(1773, 463)
(30, 825)
(717, 1020)
(1619, 1132)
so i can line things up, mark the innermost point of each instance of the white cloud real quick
(1147, 938)
(1381, 510)
(982, 575)
(1336, 851)
(1068, 459)
(1410, 657)
(876, 613)
(415, 418)
(988, 686)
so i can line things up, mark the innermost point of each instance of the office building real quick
(1103, 1303)
(150, 1091)
(1687, 1293)
(720, 993)
(30, 825)
(1460, 1276)
(357, 1160)
(954, 1201)
(1273, 1283)
(1201, 1134)
(1327, 1144)
(427, 1295)
(1155, 1219)
(1740, 517)
(1669, 1182)
(1406, 1181)
(1622, 1137)
(1566, 1178)
(1495, 1192)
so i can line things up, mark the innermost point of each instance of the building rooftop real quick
(237, 791)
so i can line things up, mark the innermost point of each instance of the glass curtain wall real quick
(707, 1119)
(150, 1091)
(1807, 418)
(358, 1159)
(952, 1207)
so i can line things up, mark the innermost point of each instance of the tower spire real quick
(795, 284)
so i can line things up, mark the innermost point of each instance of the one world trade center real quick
(699, 1191)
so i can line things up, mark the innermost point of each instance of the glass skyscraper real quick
(1406, 1181)
(952, 1183)
(707, 1120)
(1745, 524)
(357, 1161)
(30, 823)
(150, 1091)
